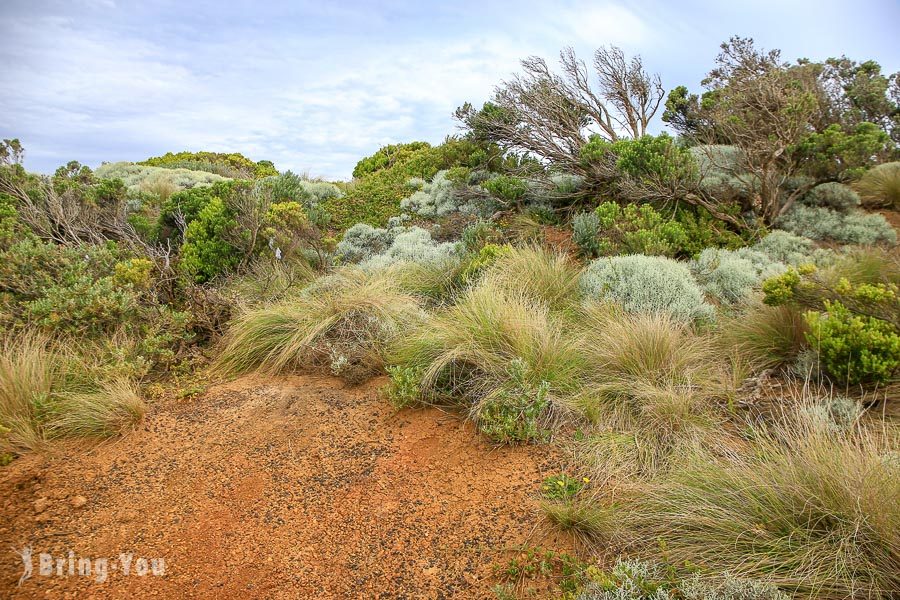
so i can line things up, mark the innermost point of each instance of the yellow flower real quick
(587, 479)
(560, 482)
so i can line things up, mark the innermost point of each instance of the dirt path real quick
(287, 488)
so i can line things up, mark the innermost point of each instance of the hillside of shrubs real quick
(707, 320)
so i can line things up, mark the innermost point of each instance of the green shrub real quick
(880, 186)
(646, 284)
(854, 348)
(83, 306)
(388, 156)
(507, 189)
(233, 165)
(634, 229)
(181, 208)
(825, 224)
(835, 196)
(380, 183)
(205, 253)
(67, 288)
(136, 272)
(586, 233)
(512, 412)
(404, 388)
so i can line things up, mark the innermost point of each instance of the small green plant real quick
(562, 487)
(513, 412)
(206, 253)
(507, 189)
(476, 264)
(586, 233)
(567, 571)
(854, 348)
(405, 385)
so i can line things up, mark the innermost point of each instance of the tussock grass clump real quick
(814, 512)
(113, 407)
(47, 392)
(548, 277)
(650, 375)
(880, 186)
(591, 521)
(765, 336)
(497, 353)
(340, 324)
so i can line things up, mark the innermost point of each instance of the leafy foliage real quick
(854, 348)
(819, 223)
(646, 284)
(205, 252)
(233, 165)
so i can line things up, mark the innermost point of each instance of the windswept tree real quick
(553, 115)
(783, 121)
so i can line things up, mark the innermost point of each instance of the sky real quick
(315, 86)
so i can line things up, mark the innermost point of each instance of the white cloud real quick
(303, 101)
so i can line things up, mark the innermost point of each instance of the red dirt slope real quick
(285, 488)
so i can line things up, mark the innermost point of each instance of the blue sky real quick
(314, 86)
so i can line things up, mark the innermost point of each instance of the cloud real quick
(305, 84)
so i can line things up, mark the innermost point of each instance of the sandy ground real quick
(288, 488)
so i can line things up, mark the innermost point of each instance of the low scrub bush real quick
(853, 327)
(633, 229)
(633, 579)
(362, 241)
(646, 284)
(819, 223)
(785, 247)
(854, 348)
(730, 276)
(233, 165)
(836, 196)
(158, 181)
(443, 196)
(880, 186)
(340, 324)
(380, 181)
(413, 245)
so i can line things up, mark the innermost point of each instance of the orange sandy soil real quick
(293, 487)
